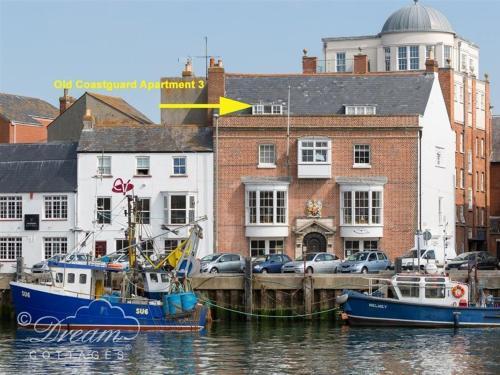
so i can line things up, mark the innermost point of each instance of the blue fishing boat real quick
(102, 295)
(418, 300)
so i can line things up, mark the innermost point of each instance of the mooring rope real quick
(210, 303)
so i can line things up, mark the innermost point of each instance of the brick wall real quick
(393, 142)
(479, 163)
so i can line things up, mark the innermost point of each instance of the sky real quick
(44, 41)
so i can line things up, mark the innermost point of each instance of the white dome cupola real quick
(417, 18)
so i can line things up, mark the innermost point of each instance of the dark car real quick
(270, 263)
(480, 259)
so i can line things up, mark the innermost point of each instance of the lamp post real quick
(304, 251)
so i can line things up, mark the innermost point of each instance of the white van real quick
(409, 261)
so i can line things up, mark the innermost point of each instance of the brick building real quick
(408, 37)
(24, 119)
(338, 169)
(494, 234)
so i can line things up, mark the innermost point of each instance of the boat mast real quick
(131, 235)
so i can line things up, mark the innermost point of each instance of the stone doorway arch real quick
(314, 242)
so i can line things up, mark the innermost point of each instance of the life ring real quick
(115, 266)
(458, 291)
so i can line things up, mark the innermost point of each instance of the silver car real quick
(364, 262)
(314, 263)
(222, 263)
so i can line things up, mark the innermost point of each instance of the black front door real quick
(315, 242)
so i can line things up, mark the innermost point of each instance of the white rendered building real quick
(171, 170)
(405, 41)
(37, 202)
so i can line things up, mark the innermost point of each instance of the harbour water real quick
(261, 347)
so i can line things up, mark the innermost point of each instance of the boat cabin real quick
(426, 289)
(155, 283)
(80, 280)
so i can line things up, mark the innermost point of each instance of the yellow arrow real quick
(225, 106)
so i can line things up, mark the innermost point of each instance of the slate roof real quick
(122, 106)
(495, 138)
(328, 94)
(153, 138)
(38, 168)
(23, 109)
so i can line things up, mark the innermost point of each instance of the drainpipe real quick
(216, 184)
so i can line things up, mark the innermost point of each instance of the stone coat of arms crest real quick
(313, 208)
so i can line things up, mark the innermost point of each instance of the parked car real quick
(224, 263)
(270, 263)
(43, 266)
(410, 260)
(314, 263)
(364, 262)
(480, 259)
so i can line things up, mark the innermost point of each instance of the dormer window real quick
(360, 110)
(267, 109)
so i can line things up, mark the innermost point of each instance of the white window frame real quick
(263, 153)
(104, 165)
(482, 181)
(482, 148)
(360, 110)
(462, 213)
(267, 246)
(315, 148)
(11, 207)
(54, 245)
(387, 58)
(190, 207)
(267, 189)
(447, 55)
(361, 245)
(357, 148)
(141, 211)
(469, 199)
(10, 248)
(98, 210)
(179, 157)
(267, 109)
(140, 168)
(469, 161)
(462, 176)
(50, 208)
(340, 62)
(352, 209)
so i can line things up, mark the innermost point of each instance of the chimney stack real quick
(88, 120)
(431, 66)
(65, 101)
(360, 64)
(309, 64)
(216, 85)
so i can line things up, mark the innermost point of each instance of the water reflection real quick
(257, 347)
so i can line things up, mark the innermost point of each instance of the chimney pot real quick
(219, 63)
(212, 62)
(65, 101)
(188, 69)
